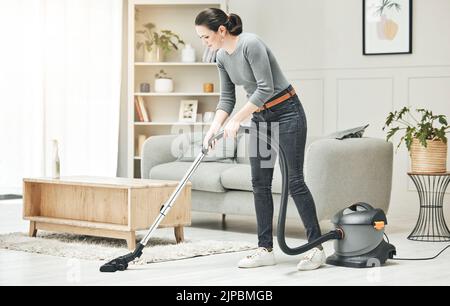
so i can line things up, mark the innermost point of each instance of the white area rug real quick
(95, 248)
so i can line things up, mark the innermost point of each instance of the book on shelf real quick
(143, 109)
(209, 56)
(139, 115)
(143, 114)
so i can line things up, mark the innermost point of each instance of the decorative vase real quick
(139, 54)
(163, 85)
(432, 159)
(188, 54)
(56, 166)
(155, 55)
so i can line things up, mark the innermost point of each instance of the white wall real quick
(319, 45)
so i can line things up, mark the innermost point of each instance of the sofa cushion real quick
(206, 178)
(191, 146)
(239, 177)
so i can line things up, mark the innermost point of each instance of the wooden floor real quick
(18, 268)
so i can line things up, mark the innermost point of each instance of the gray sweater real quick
(253, 66)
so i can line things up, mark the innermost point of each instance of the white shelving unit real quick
(177, 16)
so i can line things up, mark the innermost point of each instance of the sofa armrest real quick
(342, 172)
(156, 150)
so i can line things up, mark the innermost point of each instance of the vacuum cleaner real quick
(358, 238)
(358, 234)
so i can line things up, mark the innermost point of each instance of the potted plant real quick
(426, 143)
(157, 44)
(163, 83)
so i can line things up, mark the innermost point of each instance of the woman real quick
(243, 59)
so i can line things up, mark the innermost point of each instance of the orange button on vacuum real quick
(379, 225)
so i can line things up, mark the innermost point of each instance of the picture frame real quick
(188, 111)
(387, 27)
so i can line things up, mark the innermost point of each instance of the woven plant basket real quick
(432, 159)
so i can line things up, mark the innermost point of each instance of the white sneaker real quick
(261, 257)
(314, 259)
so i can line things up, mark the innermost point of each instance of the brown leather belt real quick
(278, 100)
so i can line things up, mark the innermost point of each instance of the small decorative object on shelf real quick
(426, 143)
(208, 87)
(188, 111)
(431, 225)
(188, 54)
(56, 163)
(163, 83)
(145, 87)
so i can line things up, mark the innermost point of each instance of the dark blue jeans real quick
(287, 123)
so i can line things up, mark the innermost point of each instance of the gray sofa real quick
(338, 173)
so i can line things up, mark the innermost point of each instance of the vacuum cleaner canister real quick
(363, 244)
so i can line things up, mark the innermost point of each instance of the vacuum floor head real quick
(114, 266)
(121, 263)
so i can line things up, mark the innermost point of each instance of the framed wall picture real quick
(188, 111)
(387, 27)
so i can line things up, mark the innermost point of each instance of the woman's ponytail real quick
(234, 25)
(213, 18)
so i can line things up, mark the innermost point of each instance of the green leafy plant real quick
(162, 75)
(165, 39)
(423, 130)
(387, 4)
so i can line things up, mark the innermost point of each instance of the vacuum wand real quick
(121, 263)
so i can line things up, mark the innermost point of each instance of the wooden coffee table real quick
(105, 207)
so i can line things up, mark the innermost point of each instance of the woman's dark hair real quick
(213, 18)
